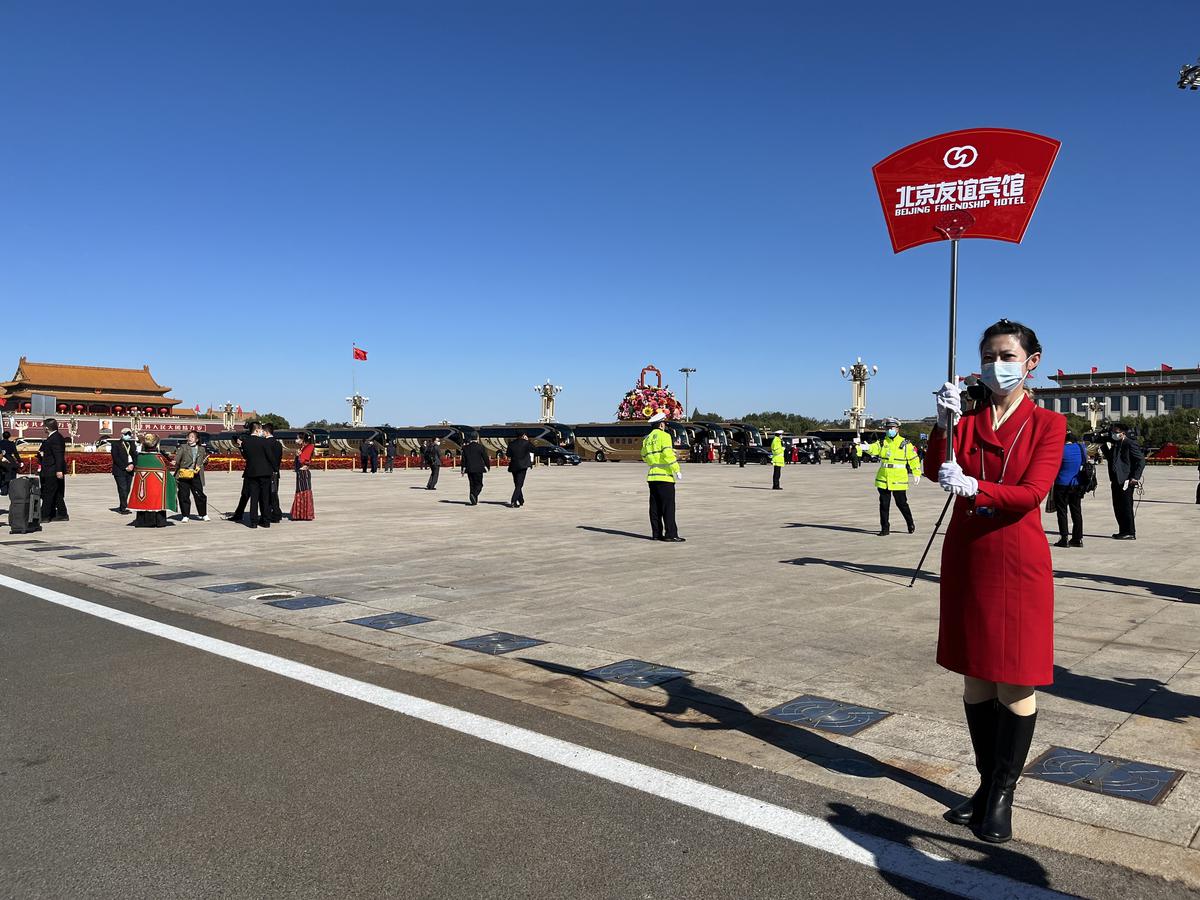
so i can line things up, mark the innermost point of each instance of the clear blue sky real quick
(487, 194)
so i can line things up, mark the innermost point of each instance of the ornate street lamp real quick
(858, 375)
(1189, 77)
(358, 404)
(548, 392)
(1094, 406)
(687, 409)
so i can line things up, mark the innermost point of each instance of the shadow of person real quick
(870, 570)
(750, 487)
(1147, 697)
(725, 714)
(849, 528)
(615, 531)
(1180, 593)
(457, 502)
(869, 830)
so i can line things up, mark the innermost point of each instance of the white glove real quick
(949, 405)
(679, 475)
(916, 480)
(953, 481)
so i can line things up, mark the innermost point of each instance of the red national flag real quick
(1061, 373)
(197, 407)
(1167, 368)
(3, 402)
(239, 410)
(1094, 370)
(360, 354)
(1130, 370)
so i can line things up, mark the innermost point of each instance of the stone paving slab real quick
(774, 595)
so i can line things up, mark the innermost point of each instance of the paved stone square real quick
(775, 595)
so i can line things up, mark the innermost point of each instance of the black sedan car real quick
(556, 455)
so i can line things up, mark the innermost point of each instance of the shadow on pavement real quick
(831, 527)
(1179, 593)
(998, 860)
(751, 487)
(871, 570)
(1146, 697)
(730, 715)
(616, 531)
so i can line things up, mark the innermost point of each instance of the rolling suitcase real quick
(25, 505)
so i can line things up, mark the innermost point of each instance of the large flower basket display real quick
(646, 400)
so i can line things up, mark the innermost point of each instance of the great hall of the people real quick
(1148, 394)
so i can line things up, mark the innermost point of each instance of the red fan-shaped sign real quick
(994, 174)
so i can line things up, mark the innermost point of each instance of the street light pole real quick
(687, 409)
(858, 375)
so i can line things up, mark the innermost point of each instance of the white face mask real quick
(892, 432)
(1002, 378)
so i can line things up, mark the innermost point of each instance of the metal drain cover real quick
(275, 595)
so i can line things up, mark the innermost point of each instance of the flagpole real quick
(353, 376)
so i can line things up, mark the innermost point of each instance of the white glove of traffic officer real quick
(679, 475)
(953, 481)
(916, 480)
(949, 405)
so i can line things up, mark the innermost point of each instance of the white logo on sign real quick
(960, 157)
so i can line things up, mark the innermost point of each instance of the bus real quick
(617, 441)
(410, 438)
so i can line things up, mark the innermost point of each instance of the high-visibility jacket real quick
(659, 455)
(776, 451)
(897, 458)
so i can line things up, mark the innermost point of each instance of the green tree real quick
(792, 423)
(325, 423)
(274, 419)
(698, 416)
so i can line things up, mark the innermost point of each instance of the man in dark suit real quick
(124, 458)
(520, 460)
(256, 448)
(53, 458)
(240, 441)
(1126, 462)
(432, 454)
(10, 462)
(475, 463)
(275, 447)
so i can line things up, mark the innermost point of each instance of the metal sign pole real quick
(952, 226)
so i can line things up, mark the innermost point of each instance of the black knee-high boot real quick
(1014, 734)
(981, 722)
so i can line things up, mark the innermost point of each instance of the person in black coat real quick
(124, 458)
(276, 452)
(474, 464)
(53, 459)
(431, 454)
(1126, 462)
(240, 443)
(256, 479)
(520, 460)
(10, 462)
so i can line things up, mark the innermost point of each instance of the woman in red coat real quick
(997, 585)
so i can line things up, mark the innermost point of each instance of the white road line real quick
(868, 850)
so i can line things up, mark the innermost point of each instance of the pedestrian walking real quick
(154, 492)
(275, 453)
(189, 477)
(389, 456)
(1068, 493)
(124, 459)
(302, 504)
(520, 460)
(661, 476)
(777, 460)
(997, 579)
(431, 453)
(474, 464)
(52, 456)
(1126, 463)
(897, 459)
(240, 442)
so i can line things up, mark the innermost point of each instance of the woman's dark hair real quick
(1023, 333)
(308, 438)
(1072, 438)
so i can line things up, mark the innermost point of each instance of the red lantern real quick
(117, 409)
(163, 411)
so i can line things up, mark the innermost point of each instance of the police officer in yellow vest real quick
(897, 459)
(659, 455)
(777, 459)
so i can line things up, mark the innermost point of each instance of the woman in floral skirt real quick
(302, 505)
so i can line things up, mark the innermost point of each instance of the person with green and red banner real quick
(154, 492)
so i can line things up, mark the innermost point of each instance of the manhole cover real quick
(278, 595)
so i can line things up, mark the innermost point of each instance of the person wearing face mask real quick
(1126, 463)
(997, 579)
(897, 458)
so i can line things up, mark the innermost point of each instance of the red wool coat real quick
(997, 589)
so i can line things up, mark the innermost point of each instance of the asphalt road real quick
(132, 766)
